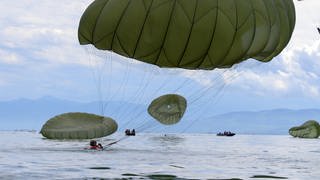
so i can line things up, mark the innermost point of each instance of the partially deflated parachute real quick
(78, 126)
(190, 34)
(168, 109)
(309, 129)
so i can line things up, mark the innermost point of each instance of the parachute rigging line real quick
(97, 76)
(214, 98)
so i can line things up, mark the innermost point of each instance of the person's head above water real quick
(93, 143)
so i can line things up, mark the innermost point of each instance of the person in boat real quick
(133, 132)
(93, 145)
(130, 133)
(127, 132)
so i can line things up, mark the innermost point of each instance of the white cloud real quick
(42, 36)
(32, 27)
(10, 58)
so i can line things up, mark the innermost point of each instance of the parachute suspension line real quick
(132, 110)
(97, 75)
(156, 128)
(218, 91)
(142, 98)
(196, 116)
(206, 90)
(145, 125)
(144, 122)
(120, 89)
(184, 83)
(108, 58)
(140, 128)
(217, 96)
(138, 95)
(195, 108)
(150, 124)
(218, 78)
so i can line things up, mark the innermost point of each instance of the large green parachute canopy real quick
(309, 129)
(168, 109)
(78, 126)
(189, 34)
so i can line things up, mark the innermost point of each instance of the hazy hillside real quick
(32, 114)
(276, 121)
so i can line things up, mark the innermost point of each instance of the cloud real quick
(40, 55)
(38, 28)
(10, 58)
(295, 72)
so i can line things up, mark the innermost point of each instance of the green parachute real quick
(309, 129)
(78, 126)
(193, 34)
(168, 109)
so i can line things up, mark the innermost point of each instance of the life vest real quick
(95, 147)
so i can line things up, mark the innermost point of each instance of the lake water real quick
(27, 155)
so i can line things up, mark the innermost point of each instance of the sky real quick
(40, 56)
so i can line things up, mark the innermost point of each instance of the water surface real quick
(27, 155)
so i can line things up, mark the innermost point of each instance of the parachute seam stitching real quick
(244, 22)
(255, 28)
(204, 14)
(212, 38)
(167, 29)
(190, 32)
(144, 4)
(97, 19)
(194, 60)
(153, 51)
(85, 37)
(141, 30)
(99, 40)
(292, 23)
(165, 54)
(267, 42)
(184, 12)
(161, 4)
(234, 34)
(120, 43)
(118, 24)
(289, 27)
(275, 48)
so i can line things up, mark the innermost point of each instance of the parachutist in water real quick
(93, 145)
(100, 145)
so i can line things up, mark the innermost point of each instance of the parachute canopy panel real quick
(78, 126)
(168, 109)
(193, 34)
(309, 129)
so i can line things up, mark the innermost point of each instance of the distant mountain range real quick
(275, 121)
(32, 114)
